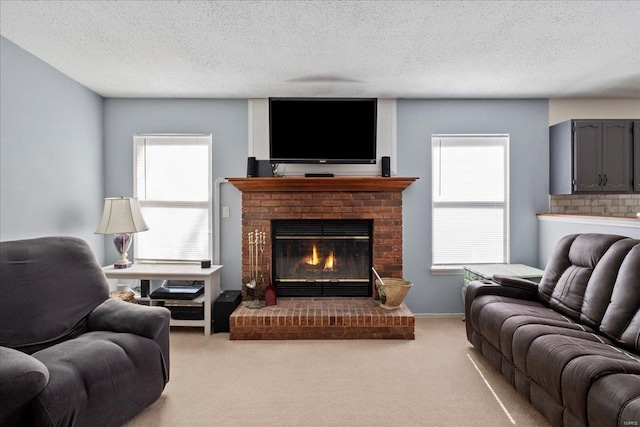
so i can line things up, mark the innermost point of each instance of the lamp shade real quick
(121, 215)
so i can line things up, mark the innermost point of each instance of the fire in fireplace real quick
(314, 260)
(322, 257)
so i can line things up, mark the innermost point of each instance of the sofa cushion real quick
(57, 281)
(525, 335)
(583, 372)
(91, 379)
(614, 400)
(497, 317)
(565, 367)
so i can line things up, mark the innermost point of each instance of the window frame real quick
(457, 268)
(139, 139)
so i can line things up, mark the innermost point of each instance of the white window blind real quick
(470, 199)
(172, 180)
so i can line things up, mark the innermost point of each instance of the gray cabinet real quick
(616, 156)
(636, 156)
(590, 156)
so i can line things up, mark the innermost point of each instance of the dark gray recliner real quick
(70, 355)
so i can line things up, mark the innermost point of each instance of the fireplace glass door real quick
(322, 257)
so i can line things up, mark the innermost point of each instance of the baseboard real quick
(432, 315)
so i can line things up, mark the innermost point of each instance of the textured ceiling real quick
(252, 49)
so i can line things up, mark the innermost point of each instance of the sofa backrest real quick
(621, 321)
(48, 286)
(569, 273)
(590, 277)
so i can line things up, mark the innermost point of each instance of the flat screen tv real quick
(323, 130)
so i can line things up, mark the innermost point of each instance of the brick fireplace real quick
(378, 199)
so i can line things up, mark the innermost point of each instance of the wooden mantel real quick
(322, 184)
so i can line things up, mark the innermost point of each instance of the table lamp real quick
(121, 217)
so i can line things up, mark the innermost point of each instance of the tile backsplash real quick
(623, 205)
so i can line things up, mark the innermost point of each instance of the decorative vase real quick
(392, 292)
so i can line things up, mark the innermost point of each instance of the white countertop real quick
(618, 221)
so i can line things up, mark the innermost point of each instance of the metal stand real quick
(256, 257)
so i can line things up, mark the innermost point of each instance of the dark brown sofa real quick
(571, 344)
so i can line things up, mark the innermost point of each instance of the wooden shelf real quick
(378, 184)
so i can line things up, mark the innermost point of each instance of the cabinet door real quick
(636, 156)
(587, 158)
(616, 156)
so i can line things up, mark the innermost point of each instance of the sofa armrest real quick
(22, 377)
(149, 322)
(119, 316)
(488, 287)
(508, 288)
(517, 283)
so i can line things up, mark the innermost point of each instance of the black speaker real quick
(223, 307)
(264, 168)
(252, 167)
(386, 166)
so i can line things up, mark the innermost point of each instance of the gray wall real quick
(226, 120)
(56, 169)
(50, 151)
(526, 121)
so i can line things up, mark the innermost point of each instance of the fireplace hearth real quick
(313, 258)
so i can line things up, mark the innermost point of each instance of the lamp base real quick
(122, 243)
(122, 264)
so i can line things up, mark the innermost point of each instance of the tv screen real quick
(322, 130)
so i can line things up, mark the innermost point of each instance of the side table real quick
(210, 277)
(486, 271)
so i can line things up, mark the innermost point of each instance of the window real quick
(470, 200)
(172, 180)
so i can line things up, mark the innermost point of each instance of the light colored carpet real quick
(430, 381)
